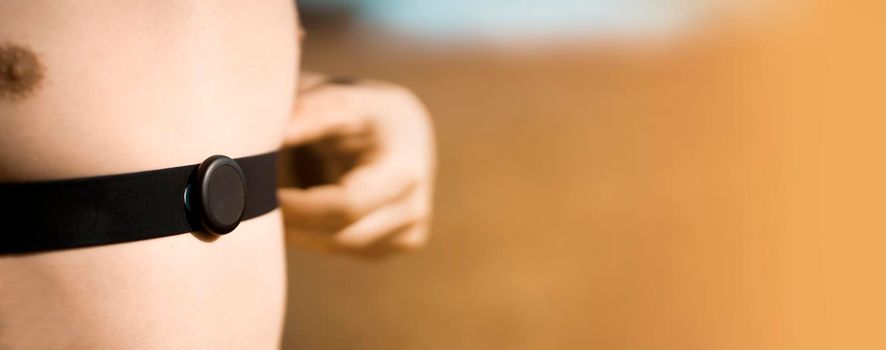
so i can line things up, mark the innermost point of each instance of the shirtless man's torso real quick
(139, 85)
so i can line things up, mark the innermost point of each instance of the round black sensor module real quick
(218, 194)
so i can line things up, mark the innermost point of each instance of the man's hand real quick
(377, 141)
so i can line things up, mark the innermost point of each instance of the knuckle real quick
(356, 125)
(421, 212)
(415, 215)
(412, 174)
(412, 242)
(398, 92)
(348, 211)
(415, 238)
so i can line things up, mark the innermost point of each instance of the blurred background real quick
(620, 174)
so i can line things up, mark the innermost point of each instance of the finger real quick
(317, 208)
(324, 113)
(412, 239)
(371, 186)
(380, 249)
(332, 207)
(381, 223)
(418, 236)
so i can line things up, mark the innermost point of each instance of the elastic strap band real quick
(52, 215)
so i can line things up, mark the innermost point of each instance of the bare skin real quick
(382, 203)
(123, 87)
(126, 87)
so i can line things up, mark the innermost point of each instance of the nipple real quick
(20, 72)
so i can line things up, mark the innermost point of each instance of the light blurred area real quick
(654, 175)
(538, 22)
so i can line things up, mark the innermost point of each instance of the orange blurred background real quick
(716, 188)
